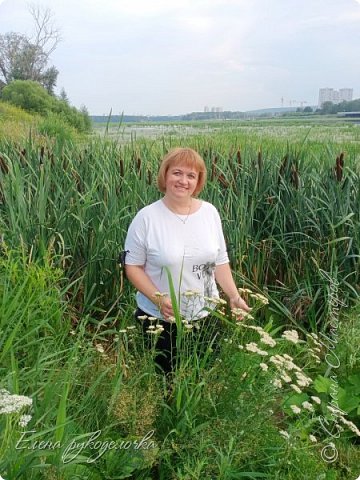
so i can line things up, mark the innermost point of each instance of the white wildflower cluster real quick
(307, 406)
(302, 380)
(284, 434)
(252, 347)
(285, 377)
(191, 293)
(160, 294)
(260, 298)
(295, 409)
(312, 438)
(244, 290)
(24, 420)
(13, 403)
(295, 387)
(284, 364)
(316, 399)
(277, 383)
(291, 336)
(315, 347)
(242, 313)
(214, 300)
(264, 367)
(155, 329)
(264, 336)
(99, 348)
(344, 421)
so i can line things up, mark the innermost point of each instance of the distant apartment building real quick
(335, 96)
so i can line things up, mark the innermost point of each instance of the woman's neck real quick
(181, 206)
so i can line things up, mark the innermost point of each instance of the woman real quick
(184, 234)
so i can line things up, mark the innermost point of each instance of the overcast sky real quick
(176, 56)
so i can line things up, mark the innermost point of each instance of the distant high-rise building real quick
(335, 96)
(206, 108)
(346, 94)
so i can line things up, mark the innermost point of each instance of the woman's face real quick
(181, 181)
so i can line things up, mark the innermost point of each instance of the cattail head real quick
(3, 166)
(295, 179)
(122, 170)
(339, 167)
(238, 157)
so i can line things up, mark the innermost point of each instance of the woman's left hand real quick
(238, 302)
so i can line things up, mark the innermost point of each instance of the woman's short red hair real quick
(182, 156)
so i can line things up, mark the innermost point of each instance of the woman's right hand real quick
(165, 308)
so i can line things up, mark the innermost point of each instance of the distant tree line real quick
(333, 108)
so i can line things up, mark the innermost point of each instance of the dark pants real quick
(165, 358)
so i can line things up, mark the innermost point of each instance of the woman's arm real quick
(141, 281)
(225, 279)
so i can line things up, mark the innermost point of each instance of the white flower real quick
(252, 347)
(152, 319)
(286, 378)
(316, 400)
(142, 317)
(24, 420)
(287, 357)
(122, 331)
(244, 375)
(277, 383)
(188, 326)
(151, 327)
(267, 340)
(99, 348)
(351, 425)
(13, 403)
(244, 290)
(131, 327)
(239, 311)
(189, 293)
(284, 434)
(308, 406)
(159, 294)
(171, 320)
(295, 387)
(277, 360)
(302, 380)
(295, 408)
(291, 336)
(260, 297)
(264, 367)
(312, 438)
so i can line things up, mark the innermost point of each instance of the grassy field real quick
(279, 398)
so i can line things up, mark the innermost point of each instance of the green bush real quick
(29, 95)
(54, 125)
(32, 97)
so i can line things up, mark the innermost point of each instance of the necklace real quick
(183, 220)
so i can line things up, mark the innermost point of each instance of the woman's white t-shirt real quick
(157, 238)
